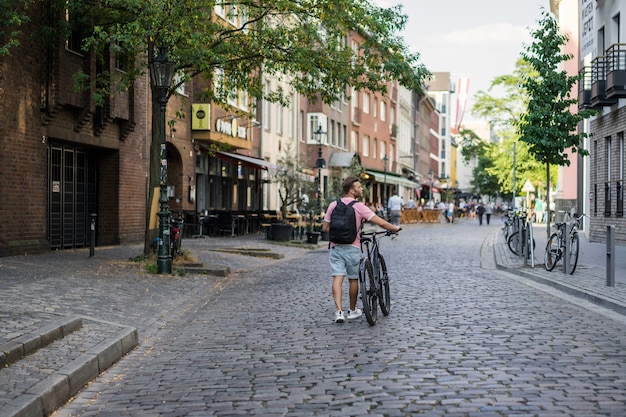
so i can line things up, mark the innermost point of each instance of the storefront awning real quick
(341, 159)
(393, 179)
(245, 160)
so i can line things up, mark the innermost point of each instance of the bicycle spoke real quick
(368, 291)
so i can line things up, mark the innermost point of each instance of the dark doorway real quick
(72, 195)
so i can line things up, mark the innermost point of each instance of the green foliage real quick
(292, 183)
(302, 42)
(504, 112)
(13, 14)
(548, 126)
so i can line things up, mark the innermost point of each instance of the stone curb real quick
(26, 344)
(48, 395)
(582, 293)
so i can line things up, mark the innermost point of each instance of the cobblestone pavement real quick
(463, 338)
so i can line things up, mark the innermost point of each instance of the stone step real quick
(38, 383)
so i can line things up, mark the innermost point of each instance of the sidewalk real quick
(589, 280)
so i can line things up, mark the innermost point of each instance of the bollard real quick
(566, 242)
(610, 258)
(92, 242)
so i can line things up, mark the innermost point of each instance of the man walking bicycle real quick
(345, 258)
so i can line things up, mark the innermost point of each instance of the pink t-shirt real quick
(361, 211)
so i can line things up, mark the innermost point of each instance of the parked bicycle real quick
(373, 277)
(556, 247)
(176, 235)
(507, 227)
(523, 225)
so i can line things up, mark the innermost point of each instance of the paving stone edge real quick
(48, 395)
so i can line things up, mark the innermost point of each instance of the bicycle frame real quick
(373, 278)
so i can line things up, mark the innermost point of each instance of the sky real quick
(480, 39)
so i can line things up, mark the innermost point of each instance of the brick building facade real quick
(65, 156)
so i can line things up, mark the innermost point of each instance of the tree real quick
(548, 126)
(13, 14)
(292, 183)
(502, 105)
(473, 148)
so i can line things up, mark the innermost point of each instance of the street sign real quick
(528, 187)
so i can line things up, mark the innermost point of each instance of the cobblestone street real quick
(462, 339)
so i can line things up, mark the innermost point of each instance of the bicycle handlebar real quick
(377, 233)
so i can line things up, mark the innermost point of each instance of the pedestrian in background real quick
(450, 212)
(394, 205)
(488, 211)
(480, 210)
(345, 258)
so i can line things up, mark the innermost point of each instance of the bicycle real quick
(507, 227)
(373, 277)
(526, 230)
(555, 249)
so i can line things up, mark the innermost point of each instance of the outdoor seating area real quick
(222, 223)
(419, 215)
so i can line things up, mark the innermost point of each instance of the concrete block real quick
(80, 371)
(54, 391)
(26, 405)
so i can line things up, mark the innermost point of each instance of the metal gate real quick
(72, 195)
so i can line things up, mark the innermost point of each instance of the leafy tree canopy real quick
(304, 42)
(548, 126)
(502, 105)
(13, 14)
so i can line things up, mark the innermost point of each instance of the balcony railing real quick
(598, 83)
(616, 71)
(584, 88)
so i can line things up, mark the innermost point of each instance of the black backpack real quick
(343, 228)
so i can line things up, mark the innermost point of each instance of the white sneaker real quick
(354, 314)
(339, 318)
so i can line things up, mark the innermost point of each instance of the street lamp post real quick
(430, 173)
(385, 162)
(161, 73)
(320, 164)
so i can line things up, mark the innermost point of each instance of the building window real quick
(619, 210)
(375, 148)
(266, 108)
(290, 118)
(366, 145)
(595, 178)
(383, 150)
(354, 147)
(383, 111)
(607, 183)
(74, 40)
(366, 103)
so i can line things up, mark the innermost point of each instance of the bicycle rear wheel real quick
(513, 243)
(573, 252)
(367, 287)
(552, 255)
(384, 298)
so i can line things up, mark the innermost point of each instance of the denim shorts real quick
(344, 260)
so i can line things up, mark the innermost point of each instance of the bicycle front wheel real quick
(367, 287)
(551, 257)
(573, 252)
(384, 297)
(513, 243)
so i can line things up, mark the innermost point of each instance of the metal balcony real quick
(616, 71)
(598, 84)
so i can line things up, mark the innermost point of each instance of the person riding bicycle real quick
(344, 258)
